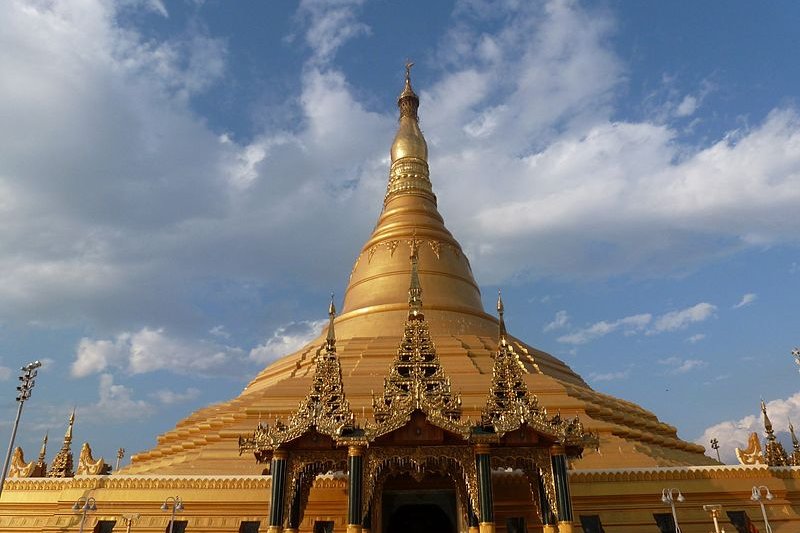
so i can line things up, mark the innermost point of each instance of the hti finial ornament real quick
(796, 355)
(409, 64)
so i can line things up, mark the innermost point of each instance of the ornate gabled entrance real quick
(418, 433)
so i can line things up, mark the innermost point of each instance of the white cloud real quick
(687, 106)
(675, 320)
(734, 433)
(629, 324)
(287, 339)
(120, 234)
(609, 376)
(220, 331)
(696, 338)
(561, 320)
(116, 402)
(330, 25)
(678, 365)
(170, 397)
(148, 350)
(747, 299)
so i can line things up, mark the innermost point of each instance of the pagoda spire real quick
(330, 340)
(62, 462)
(795, 457)
(409, 172)
(379, 280)
(500, 321)
(41, 463)
(416, 379)
(415, 289)
(774, 454)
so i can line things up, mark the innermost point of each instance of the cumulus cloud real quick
(287, 339)
(561, 320)
(330, 24)
(675, 320)
(747, 299)
(629, 324)
(124, 233)
(116, 402)
(148, 350)
(734, 433)
(696, 338)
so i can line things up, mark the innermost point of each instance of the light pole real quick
(715, 447)
(25, 387)
(128, 519)
(666, 497)
(120, 455)
(84, 505)
(756, 497)
(176, 505)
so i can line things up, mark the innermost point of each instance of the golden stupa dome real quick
(370, 328)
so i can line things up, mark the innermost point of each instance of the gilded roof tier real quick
(372, 323)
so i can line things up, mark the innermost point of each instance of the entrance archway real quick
(420, 518)
(424, 505)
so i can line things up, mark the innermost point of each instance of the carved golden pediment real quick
(88, 466)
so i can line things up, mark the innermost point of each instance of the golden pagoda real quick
(415, 408)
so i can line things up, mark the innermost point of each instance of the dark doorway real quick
(419, 518)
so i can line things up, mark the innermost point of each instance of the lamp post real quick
(84, 505)
(715, 447)
(120, 455)
(25, 387)
(668, 498)
(128, 519)
(176, 505)
(757, 497)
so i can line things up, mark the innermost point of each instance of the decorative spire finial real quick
(775, 454)
(43, 450)
(408, 102)
(415, 289)
(502, 322)
(330, 341)
(68, 434)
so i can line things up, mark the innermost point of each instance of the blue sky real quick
(183, 183)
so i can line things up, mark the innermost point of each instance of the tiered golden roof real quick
(62, 462)
(373, 322)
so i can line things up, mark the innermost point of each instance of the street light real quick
(176, 505)
(128, 519)
(756, 497)
(84, 505)
(25, 387)
(666, 497)
(715, 447)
